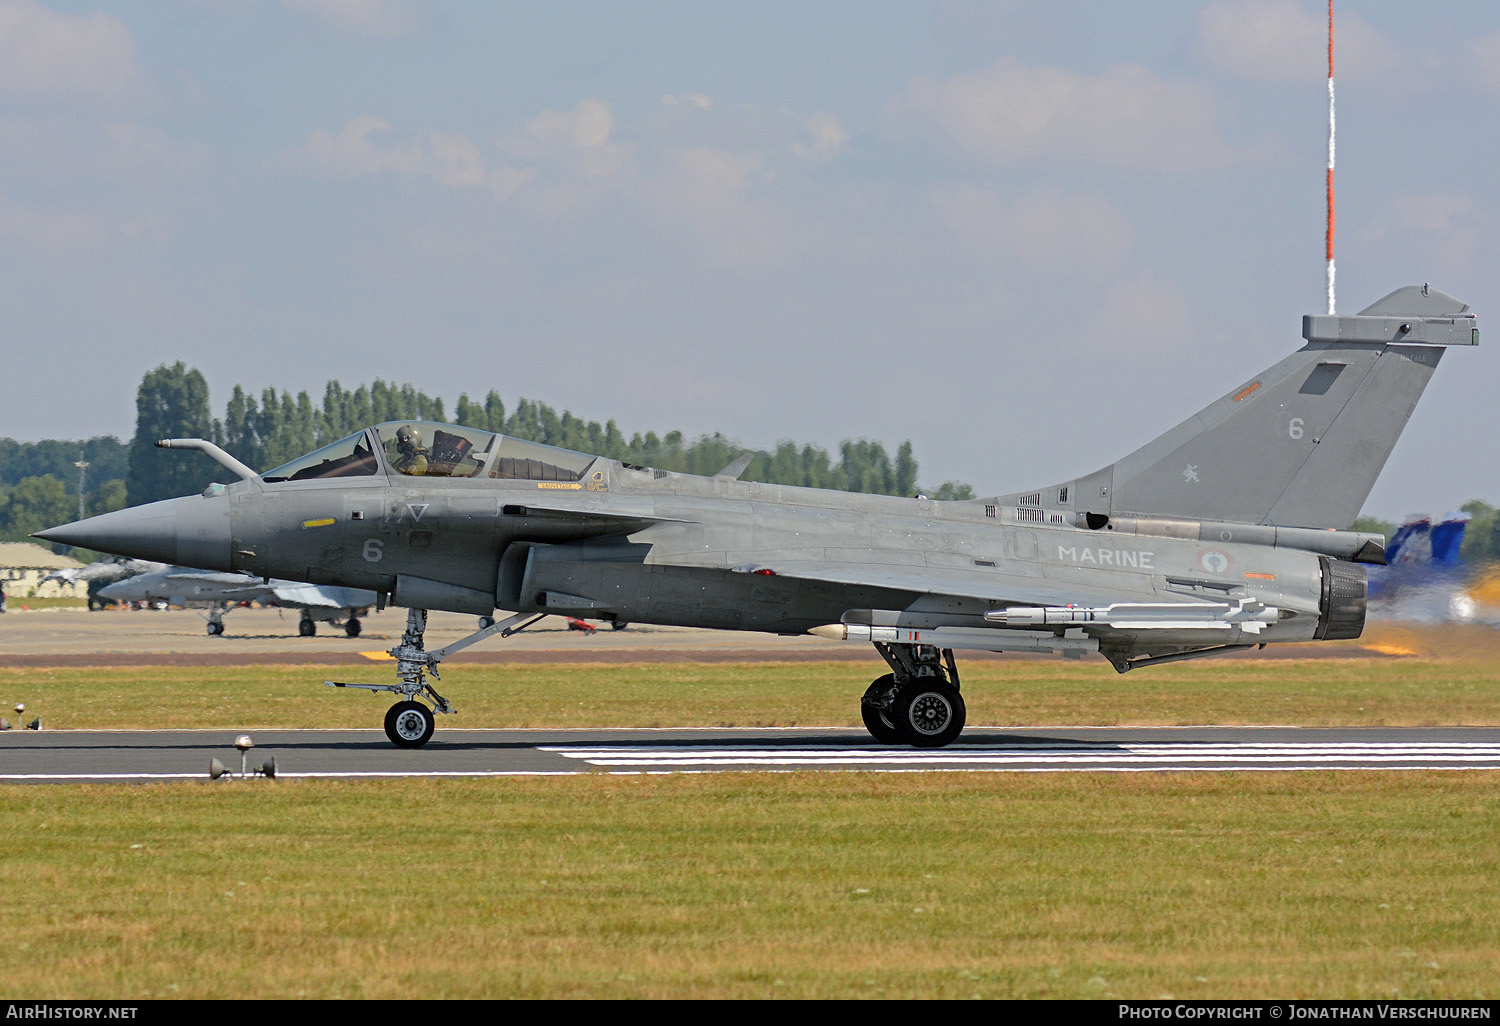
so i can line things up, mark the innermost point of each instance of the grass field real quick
(1370, 885)
(21, 603)
(1316, 885)
(1323, 692)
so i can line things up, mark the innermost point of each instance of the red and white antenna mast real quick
(1331, 274)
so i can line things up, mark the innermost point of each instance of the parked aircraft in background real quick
(1427, 580)
(182, 586)
(1222, 534)
(101, 573)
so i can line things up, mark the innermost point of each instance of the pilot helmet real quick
(408, 438)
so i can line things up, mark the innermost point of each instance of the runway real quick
(175, 637)
(140, 757)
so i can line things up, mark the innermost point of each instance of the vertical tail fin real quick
(1302, 443)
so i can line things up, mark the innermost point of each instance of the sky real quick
(1027, 236)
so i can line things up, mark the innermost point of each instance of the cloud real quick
(456, 161)
(384, 19)
(1047, 230)
(44, 53)
(827, 138)
(1141, 314)
(1486, 54)
(135, 149)
(49, 150)
(700, 100)
(351, 153)
(1284, 41)
(1128, 116)
(561, 158)
(579, 140)
(1444, 226)
(1439, 212)
(711, 194)
(52, 231)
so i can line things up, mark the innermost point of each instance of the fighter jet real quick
(99, 574)
(184, 586)
(1225, 532)
(1427, 579)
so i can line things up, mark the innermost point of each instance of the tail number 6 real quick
(1294, 429)
(374, 549)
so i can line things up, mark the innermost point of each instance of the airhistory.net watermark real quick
(59, 1010)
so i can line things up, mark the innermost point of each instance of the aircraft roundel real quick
(1214, 561)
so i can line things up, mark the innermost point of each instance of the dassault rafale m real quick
(1226, 532)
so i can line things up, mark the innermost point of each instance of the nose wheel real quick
(409, 724)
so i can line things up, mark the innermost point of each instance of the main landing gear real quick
(308, 627)
(410, 723)
(918, 702)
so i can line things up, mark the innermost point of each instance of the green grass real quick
(21, 603)
(1312, 885)
(1308, 692)
(1321, 885)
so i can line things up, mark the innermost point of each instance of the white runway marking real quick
(66, 757)
(1081, 757)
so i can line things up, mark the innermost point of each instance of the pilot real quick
(411, 457)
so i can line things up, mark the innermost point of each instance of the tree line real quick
(39, 481)
(39, 484)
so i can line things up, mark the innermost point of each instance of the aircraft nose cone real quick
(111, 592)
(191, 531)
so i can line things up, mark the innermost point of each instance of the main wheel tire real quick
(352, 627)
(878, 721)
(215, 629)
(928, 712)
(409, 724)
(307, 628)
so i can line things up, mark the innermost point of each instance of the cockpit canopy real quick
(420, 448)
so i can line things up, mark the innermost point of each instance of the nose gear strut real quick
(414, 663)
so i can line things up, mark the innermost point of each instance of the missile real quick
(856, 632)
(1246, 613)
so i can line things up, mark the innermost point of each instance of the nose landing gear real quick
(409, 723)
